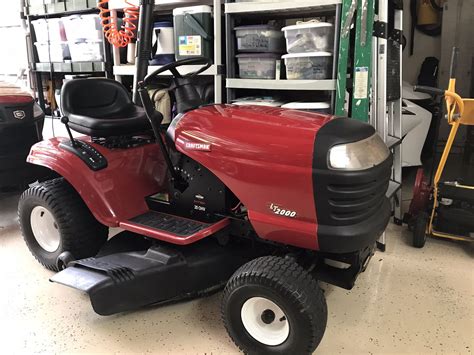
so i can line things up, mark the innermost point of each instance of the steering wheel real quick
(172, 67)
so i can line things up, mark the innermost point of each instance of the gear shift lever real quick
(65, 121)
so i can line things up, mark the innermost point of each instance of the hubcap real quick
(45, 229)
(265, 321)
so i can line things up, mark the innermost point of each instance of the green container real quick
(193, 30)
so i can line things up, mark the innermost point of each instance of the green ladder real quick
(362, 13)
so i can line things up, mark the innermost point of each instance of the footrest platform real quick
(172, 228)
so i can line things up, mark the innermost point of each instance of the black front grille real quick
(349, 197)
(354, 202)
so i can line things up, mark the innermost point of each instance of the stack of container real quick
(77, 38)
(309, 46)
(260, 48)
(50, 42)
(84, 35)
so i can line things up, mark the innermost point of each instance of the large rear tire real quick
(419, 230)
(54, 219)
(272, 305)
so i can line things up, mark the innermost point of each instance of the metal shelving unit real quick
(277, 10)
(125, 70)
(39, 69)
(71, 67)
(280, 7)
(166, 7)
(264, 84)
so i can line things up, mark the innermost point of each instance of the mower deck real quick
(131, 272)
(171, 228)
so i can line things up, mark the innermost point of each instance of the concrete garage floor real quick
(408, 301)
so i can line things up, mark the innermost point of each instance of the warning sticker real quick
(190, 45)
(361, 81)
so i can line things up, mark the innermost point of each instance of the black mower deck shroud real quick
(132, 272)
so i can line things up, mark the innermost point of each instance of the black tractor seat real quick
(101, 107)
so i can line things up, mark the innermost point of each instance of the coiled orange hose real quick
(119, 37)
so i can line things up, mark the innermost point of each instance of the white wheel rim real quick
(269, 332)
(45, 229)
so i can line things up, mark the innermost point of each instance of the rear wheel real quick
(271, 305)
(54, 219)
(419, 230)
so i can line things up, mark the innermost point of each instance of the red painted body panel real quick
(116, 193)
(264, 155)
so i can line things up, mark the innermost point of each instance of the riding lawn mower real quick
(261, 202)
(21, 125)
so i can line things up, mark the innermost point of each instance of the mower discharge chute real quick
(261, 201)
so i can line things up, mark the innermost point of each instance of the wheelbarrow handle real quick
(429, 90)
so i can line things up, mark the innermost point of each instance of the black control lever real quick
(65, 121)
(86, 152)
(155, 119)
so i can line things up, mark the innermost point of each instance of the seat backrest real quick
(95, 97)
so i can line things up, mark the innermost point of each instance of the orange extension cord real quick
(119, 37)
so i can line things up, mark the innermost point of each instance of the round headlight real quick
(359, 155)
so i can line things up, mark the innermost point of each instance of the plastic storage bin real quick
(163, 43)
(86, 51)
(82, 27)
(320, 107)
(310, 66)
(258, 65)
(309, 37)
(52, 52)
(193, 29)
(49, 30)
(259, 38)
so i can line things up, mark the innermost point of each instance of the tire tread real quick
(81, 233)
(288, 278)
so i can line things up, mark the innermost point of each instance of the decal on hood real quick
(205, 147)
(281, 211)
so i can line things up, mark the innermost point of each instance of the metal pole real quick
(144, 39)
(115, 50)
(217, 52)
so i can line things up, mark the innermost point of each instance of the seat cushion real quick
(132, 121)
(102, 107)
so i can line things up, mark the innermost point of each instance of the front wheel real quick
(54, 219)
(271, 305)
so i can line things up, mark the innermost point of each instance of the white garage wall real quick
(425, 46)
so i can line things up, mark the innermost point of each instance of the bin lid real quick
(313, 24)
(308, 54)
(258, 55)
(162, 24)
(192, 10)
(257, 27)
(307, 105)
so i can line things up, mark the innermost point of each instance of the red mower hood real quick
(264, 155)
(256, 133)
